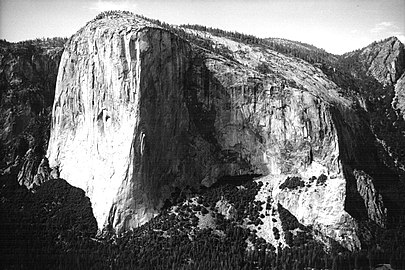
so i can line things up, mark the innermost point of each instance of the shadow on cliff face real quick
(209, 104)
(176, 142)
(359, 151)
(36, 228)
(200, 100)
(379, 141)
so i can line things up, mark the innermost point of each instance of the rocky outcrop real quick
(33, 175)
(373, 201)
(289, 120)
(28, 73)
(226, 209)
(139, 110)
(119, 120)
(384, 60)
(378, 70)
(399, 100)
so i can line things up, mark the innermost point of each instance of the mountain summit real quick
(188, 132)
(142, 108)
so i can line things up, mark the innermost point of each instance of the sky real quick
(338, 26)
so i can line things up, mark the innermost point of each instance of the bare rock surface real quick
(118, 116)
(139, 110)
(384, 60)
(373, 201)
(399, 99)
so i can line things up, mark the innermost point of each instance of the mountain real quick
(382, 60)
(379, 68)
(28, 72)
(195, 134)
(153, 112)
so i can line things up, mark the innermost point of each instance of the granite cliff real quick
(379, 69)
(382, 60)
(118, 117)
(28, 72)
(140, 109)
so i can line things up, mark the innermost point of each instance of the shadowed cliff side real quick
(377, 72)
(28, 73)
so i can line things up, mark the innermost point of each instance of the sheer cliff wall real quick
(139, 111)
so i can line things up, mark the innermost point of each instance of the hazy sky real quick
(337, 26)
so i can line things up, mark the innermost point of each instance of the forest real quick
(54, 227)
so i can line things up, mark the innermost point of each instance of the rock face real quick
(139, 110)
(28, 73)
(388, 65)
(118, 117)
(373, 201)
(385, 60)
(399, 99)
(380, 68)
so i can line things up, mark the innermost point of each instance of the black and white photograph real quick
(202, 134)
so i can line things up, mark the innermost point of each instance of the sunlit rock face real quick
(399, 99)
(387, 61)
(290, 120)
(118, 116)
(384, 60)
(139, 111)
(373, 201)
